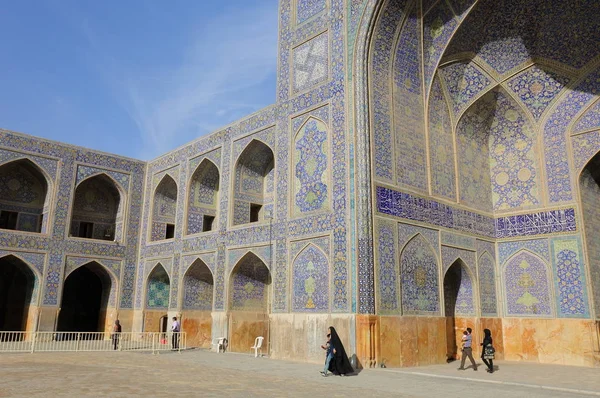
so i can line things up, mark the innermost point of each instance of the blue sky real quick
(138, 77)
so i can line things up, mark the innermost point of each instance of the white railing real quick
(91, 341)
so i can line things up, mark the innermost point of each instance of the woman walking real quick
(487, 351)
(340, 364)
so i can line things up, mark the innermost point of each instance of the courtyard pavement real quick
(199, 373)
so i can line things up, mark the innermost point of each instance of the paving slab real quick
(208, 374)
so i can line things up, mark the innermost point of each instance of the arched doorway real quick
(202, 200)
(458, 302)
(197, 304)
(97, 209)
(253, 184)
(589, 189)
(85, 298)
(249, 303)
(23, 196)
(17, 283)
(158, 294)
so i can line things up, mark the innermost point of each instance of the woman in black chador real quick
(340, 365)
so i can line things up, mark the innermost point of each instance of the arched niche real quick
(198, 287)
(459, 296)
(527, 287)
(98, 209)
(311, 172)
(203, 198)
(85, 299)
(164, 210)
(419, 278)
(310, 280)
(18, 282)
(24, 196)
(254, 180)
(158, 288)
(589, 192)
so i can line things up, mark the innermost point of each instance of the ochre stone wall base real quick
(152, 321)
(244, 328)
(555, 341)
(197, 326)
(48, 318)
(299, 337)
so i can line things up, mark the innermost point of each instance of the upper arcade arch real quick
(203, 198)
(164, 209)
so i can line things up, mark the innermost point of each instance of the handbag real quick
(489, 352)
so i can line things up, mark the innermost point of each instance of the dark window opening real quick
(8, 219)
(254, 212)
(170, 233)
(86, 229)
(40, 223)
(207, 223)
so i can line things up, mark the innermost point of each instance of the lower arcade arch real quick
(85, 300)
(249, 303)
(17, 284)
(458, 303)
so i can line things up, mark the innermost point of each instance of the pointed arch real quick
(158, 287)
(19, 283)
(85, 298)
(249, 285)
(164, 209)
(311, 167)
(527, 288)
(419, 277)
(24, 196)
(203, 198)
(310, 280)
(253, 190)
(198, 287)
(459, 290)
(98, 208)
(589, 196)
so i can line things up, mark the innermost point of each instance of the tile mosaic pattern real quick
(487, 285)
(540, 247)
(419, 278)
(249, 286)
(165, 207)
(590, 120)
(456, 240)
(441, 145)
(570, 281)
(311, 63)
(537, 88)
(527, 288)
(463, 298)
(311, 191)
(585, 146)
(198, 287)
(451, 254)
(158, 288)
(203, 195)
(387, 270)
(85, 172)
(464, 81)
(310, 281)
(590, 192)
(306, 9)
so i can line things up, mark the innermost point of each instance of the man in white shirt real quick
(467, 350)
(175, 328)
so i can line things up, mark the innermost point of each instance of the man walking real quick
(467, 350)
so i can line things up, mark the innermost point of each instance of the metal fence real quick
(91, 341)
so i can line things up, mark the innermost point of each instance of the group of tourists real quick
(487, 350)
(175, 328)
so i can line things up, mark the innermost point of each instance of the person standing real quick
(487, 351)
(116, 334)
(467, 350)
(175, 329)
(328, 355)
(339, 364)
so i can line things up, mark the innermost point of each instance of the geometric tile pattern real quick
(311, 63)
(590, 120)
(157, 295)
(527, 288)
(387, 271)
(306, 9)
(464, 81)
(487, 285)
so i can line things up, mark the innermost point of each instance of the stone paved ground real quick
(207, 374)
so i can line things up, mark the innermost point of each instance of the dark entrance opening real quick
(452, 282)
(16, 288)
(84, 301)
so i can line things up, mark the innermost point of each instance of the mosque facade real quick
(427, 166)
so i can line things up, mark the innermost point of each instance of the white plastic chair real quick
(257, 346)
(220, 344)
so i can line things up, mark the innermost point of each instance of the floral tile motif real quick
(487, 285)
(527, 288)
(419, 278)
(590, 120)
(311, 63)
(310, 281)
(464, 80)
(306, 9)
(570, 281)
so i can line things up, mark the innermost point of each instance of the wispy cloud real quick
(229, 55)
